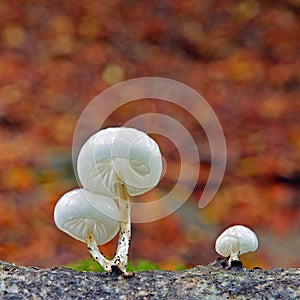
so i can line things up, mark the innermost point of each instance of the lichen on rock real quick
(211, 282)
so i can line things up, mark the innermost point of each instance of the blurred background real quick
(242, 56)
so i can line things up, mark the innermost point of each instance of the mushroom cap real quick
(119, 153)
(234, 239)
(80, 212)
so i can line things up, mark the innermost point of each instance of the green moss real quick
(85, 265)
(92, 266)
(142, 265)
(179, 267)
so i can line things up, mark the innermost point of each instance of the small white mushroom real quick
(234, 241)
(119, 162)
(81, 214)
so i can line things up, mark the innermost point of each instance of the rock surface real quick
(208, 282)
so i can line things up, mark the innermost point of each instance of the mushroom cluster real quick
(113, 164)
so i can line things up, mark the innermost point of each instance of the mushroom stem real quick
(96, 254)
(234, 250)
(121, 258)
(233, 257)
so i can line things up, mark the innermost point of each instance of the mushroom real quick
(234, 241)
(118, 163)
(119, 154)
(81, 213)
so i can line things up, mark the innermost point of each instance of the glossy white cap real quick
(80, 212)
(236, 239)
(119, 153)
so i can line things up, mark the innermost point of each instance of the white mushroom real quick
(119, 162)
(119, 154)
(81, 214)
(234, 241)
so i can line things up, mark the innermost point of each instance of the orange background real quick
(242, 56)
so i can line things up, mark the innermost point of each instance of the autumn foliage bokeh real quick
(242, 56)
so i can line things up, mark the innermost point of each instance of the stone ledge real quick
(208, 282)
